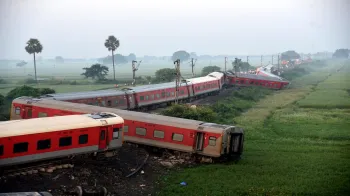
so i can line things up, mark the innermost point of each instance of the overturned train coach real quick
(183, 135)
(151, 96)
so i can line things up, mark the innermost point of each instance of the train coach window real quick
(42, 114)
(212, 141)
(152, 97)
(146, 97)
(140, 131)
(109, 103)
(158, 96)
(182, 92)
(172, 93)
(83, 139)
(20, 147)
(1, 150)
(43, 144)
(103, 103)
(158, 134)
(251, 82)
(142, 98)
(168, 94)
(115, 133)
(126, 129)
(163, 94)
(65, 141)
(116, 102)
(18, 111)
(178, 137)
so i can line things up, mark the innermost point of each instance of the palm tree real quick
(112, 44)
(34, 46)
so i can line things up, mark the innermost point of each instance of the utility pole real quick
(272, 59)
(225, 63)
(178, 77)
(134, 69)
(192, 65)
(278, 62)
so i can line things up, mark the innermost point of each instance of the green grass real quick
(333, 92)
(288, 150)
(326, 99)
(64, 88)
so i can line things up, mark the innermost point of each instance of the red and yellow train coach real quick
(23, 141)
(207, 139)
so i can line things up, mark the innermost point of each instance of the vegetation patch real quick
(288, 151)
(222, 111)
(326, 99)
(331, 93)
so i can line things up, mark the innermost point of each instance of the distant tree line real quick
(341, 53)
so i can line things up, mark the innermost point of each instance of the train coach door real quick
(27, 114)
(199, 141)
(103, 138)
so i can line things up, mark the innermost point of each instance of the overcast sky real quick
(78, 28)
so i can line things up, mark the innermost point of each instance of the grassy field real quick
(332, 93)
(289, 150)
(63, 88)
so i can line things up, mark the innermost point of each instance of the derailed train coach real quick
(183, 135)
(152, 96)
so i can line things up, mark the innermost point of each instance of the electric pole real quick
(178, 78)
(192, 65)
(134, 69)
(225, 63)
(278, 62)
(272, 60)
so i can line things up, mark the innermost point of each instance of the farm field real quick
(63, 88)
(289, 149)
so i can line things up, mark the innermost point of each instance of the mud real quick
(92, 174)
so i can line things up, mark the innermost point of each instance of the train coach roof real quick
(258, 77)
(217, 75)
(83, 95)
(125, 114)
(201, 79)
(57, 123)
(156, 87)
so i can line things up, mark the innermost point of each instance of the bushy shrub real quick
(28, 91)
(201, 113)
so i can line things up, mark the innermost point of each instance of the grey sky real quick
(78, 28)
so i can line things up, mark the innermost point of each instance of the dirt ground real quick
(92, 174)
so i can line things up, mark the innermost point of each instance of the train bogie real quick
(153, 130)
(36, 139)
(256, 80)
